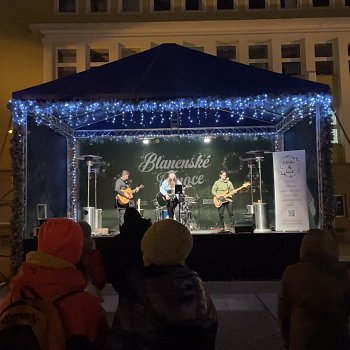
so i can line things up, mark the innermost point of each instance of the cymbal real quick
(89, 157)
(247, 159)
(258, 152)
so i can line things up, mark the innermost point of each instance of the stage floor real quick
(113, 233)
(234, 256)
(227, 256)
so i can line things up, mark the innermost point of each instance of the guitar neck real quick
(136, 189)
(238, 189)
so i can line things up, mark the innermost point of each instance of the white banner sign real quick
(291, 208)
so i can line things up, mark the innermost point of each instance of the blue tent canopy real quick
(165, 88)
(168, 91)
(169, 71)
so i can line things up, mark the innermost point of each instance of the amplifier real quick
(244, 226)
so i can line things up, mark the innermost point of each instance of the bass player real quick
(223, 191)
(123, 190)
(167, 190)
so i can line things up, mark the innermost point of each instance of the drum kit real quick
(183, 213)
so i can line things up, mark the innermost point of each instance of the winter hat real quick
(319, 246)
(62, 238)
(167, 242)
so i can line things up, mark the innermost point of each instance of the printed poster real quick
(291, 208)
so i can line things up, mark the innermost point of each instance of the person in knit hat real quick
(51, 271)
(314, 299)
(166, 242)
(61, 238)
(167, 306)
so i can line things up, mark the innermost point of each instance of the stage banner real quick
(291, 209)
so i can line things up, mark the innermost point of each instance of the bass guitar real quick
(224, 197)
(123, 200)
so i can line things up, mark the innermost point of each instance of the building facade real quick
(309, 39)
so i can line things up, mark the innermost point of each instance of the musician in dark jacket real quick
(121, 186)
(167, 306)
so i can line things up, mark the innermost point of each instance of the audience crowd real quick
(163, 304)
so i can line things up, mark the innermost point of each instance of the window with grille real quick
(66, 61)
(291, 63)
(324, 59)
(225, 5)
(194, 5)
(98, 6)
(98, 57)
(130, 6)
(256, 4)
(258, 56)
(162, 5)
(226, 52)
(127, 51)
(289, 4)
(321, 3)
(67, 6)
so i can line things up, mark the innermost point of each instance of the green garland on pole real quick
(326, 138)
(18, 202)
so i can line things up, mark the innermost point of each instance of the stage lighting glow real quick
(165, 118)
(207, 140)
(186, 119)
(145, 141)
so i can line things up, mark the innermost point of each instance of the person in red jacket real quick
(52, 271)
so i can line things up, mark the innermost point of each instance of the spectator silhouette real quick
(91, 260)
(124, 253)
(52, 271)
(314, 300)
(167, 306)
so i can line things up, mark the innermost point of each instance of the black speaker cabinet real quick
(245, 226)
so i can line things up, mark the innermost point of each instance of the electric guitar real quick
(123, 200)
(227, 194)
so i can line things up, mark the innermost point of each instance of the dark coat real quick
(167, 308)
(314, 300)
(124, 252)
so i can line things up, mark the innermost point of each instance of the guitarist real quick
(120, 186)
(167, 189)
(221, 187)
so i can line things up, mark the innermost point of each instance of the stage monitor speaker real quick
(244, 226)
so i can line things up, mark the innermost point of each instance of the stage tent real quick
(168, 91)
